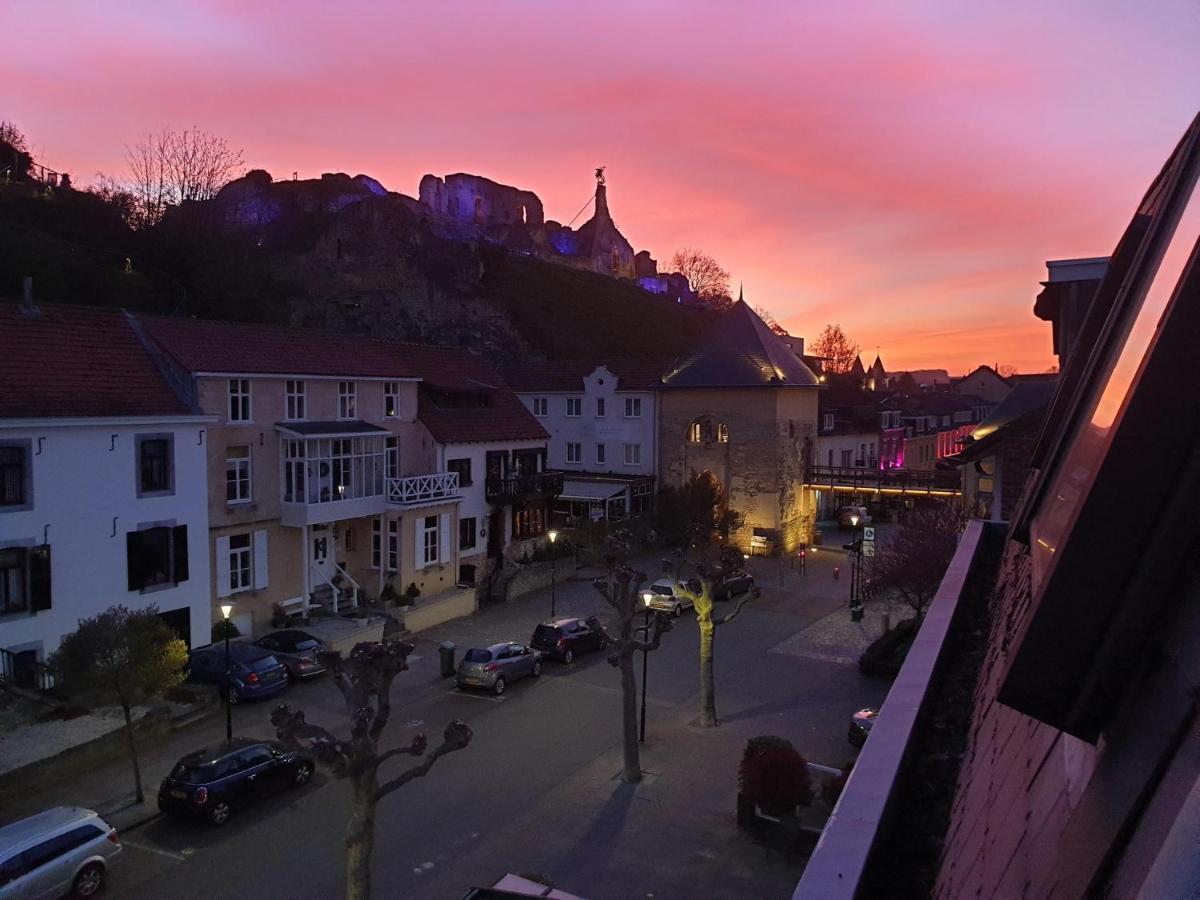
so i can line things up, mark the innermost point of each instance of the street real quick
(536, 791)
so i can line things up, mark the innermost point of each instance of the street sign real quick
(868, 532)
(868, 548)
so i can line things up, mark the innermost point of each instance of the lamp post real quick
(553, 535)
(226, 609)
(646, 597)
(856, 611)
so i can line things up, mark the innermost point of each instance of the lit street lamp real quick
(226, 609)
(646, 597)
(856, 610)
(553, 535)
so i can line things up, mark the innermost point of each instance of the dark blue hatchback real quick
(254, 673)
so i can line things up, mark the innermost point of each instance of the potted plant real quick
(773, 780)
(388, 596)
(411, 593)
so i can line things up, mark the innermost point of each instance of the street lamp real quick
(856, 610)
(226, 609)
(647, 596)
(553, 535)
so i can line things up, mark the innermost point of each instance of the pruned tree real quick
(620, 587)
(838, 351)
(365, 681)
(704, 275)
(701, 590)
(170, 167)
(911, 562)
(12, 135)
(123, 656)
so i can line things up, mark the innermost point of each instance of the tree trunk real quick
(708, 694)
(137, 769)
(360, 836)
(633, 763)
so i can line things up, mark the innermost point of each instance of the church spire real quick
(740, 300)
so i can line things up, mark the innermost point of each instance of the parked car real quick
(666, 595)
(254, 674)
(496, 666)
(733, 584)
(65, 850)
(212, 784)
(564, 638)
(860, 726)
(296, 649)
(844, 514)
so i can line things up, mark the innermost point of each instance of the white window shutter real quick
(260, 558)
(444, 552)
(222, 567)
(419, 536)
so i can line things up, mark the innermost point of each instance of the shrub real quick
(388, 596)
(774, 776)
(220, 627)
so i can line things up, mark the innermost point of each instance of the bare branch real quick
(416, 748)
(456, 737)
(733, 614)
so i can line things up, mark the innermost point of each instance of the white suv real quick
(65, 850)
(666, 595)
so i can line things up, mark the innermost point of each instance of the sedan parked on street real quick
(65, 850)
(254, 673)
(733, 584)
(667, 595)
(296, 649)
(212, 784)
(564, 638)
(494, 668)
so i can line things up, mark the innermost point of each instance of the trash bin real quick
(817, 535)
(446, 652)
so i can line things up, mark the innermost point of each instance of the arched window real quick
(707, 430)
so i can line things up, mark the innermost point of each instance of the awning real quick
(336, 429)
(590, 490)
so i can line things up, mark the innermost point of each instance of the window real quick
(633, 454)
(539, 406)
(846, 458)
(429, 540)
(463, 468)
(155, 475)
(872, 447)
(391, 450)
(574, 452)
(294, 391)
(346, 400)
(156, 556)
(393, 545)
(237, 474)
(239, 399)
(391, 399)
(827, 421)
(723, 433)
(348, 540)
(376, 544)
(14, 581)
(467, 533)
(694, 433)
(293, 471)
(574, 407)
(831, 459)
(240, 560)
(14, 475)
(599, 407)
(600, 454)
(633, 407)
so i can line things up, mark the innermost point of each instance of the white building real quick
(103, 483)
(603, 424)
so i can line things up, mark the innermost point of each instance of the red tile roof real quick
(65, 361)
(568, 375)
(198, 345)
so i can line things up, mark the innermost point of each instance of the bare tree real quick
(11, 134)
(701, 591)
(1005, 370)
(620, 588)
(172, 166)
(704, 275)
(365, 680)
(910, 564)
(770, 321)
(838, 351)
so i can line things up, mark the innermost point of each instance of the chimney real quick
(27, 294)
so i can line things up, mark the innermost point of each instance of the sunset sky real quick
(904, 169)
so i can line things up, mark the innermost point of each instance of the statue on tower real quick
(600, 175)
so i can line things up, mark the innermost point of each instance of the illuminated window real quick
(723, 433)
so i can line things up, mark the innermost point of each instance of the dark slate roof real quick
(741, 351)
(1018, 413)
(568, 375)
(66, 361)
(319, 429)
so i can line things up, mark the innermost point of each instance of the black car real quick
(296, 649)
(860, 726)
(563, 639)
(211, 784)
(734, 584)
(254, 673)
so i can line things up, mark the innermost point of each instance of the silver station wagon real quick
(65, 850)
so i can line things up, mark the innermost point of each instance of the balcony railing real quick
(512, 487)
(423, 488)
(906, 480)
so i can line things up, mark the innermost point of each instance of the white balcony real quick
(423, 490)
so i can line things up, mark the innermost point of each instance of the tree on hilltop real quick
(11, 134)
(170, 167)
(704, 275)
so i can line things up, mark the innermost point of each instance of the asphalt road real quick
(432, 837)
